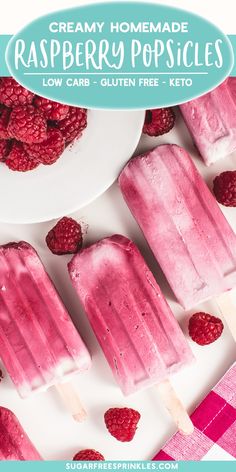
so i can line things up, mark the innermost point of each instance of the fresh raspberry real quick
(73, 124)
(52, 110)
(159, 121)
(88, 455)
(4, 149)
(27, 124)
(19, 160)
(122, 423)
(4, 120)
(65, 237)
(13, 94)
(224, 187)
(204, 328)
(49, 150)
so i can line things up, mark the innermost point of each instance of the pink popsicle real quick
(134, 325)
(232, 87)
(14, 442)
(211, 120)
(184, 226)
(39, 344)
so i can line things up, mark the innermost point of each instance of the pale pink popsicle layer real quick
(184, 226)
(134, 325)
(211, 120)
(232, 87)
(14, 442)
(39, 344)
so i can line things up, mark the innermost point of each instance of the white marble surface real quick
(53, 432)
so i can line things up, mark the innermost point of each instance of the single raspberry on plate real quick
(27, 124)
(4, 149)
(13, 94)
(52, 110)
(122, 423)
(4, 120)
(159, 121)
(73, 124)
(88, 455)
(49, 150)
(224, 187)
(204, 328)
(19, 160)
(65, 237)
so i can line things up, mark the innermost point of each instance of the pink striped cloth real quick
(214, 436)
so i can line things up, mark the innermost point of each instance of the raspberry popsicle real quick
(39, 344)
(133, 323)
(183, 224)
(14, 442)
(212, 123)
(232, 87)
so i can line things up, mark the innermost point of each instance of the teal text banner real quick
(4, 40)
(119, 466)
(232, 38)
(119, 55)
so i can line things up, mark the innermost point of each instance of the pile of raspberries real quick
(34, 130)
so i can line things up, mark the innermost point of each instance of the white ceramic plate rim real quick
(118, 131)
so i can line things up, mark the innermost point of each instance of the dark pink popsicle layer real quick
(14, 442)
(182, 222)
(39, 344)
(133, 323)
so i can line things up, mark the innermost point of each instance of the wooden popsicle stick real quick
(72, 401)
(175, 407)
(227, 308)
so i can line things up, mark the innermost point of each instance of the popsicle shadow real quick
(6, 382)
(79, 318)
(97, 412)
(67, 454)
(155, 269)
(132, 230)
(162, 417)
(63, 284)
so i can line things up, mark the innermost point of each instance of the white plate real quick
(85, 170)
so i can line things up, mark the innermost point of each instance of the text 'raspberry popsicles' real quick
(39, 344)
(211, 120)
(183, 224)
(14, 442)
(133, 323)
